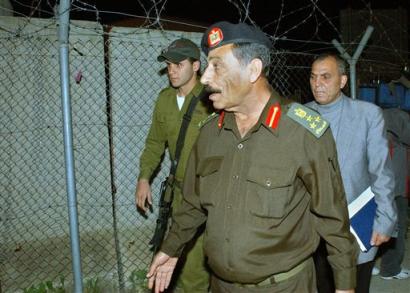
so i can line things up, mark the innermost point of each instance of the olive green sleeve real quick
(190, 216)
(154, 146)
(329, 207)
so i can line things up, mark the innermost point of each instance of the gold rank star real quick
(313, 125)
(322, 127)
(300, 112)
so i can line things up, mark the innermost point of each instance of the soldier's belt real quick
(276, 278)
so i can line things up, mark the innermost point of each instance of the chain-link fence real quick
(114, 81)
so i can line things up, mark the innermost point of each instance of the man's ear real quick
(343, 81)
(196, 65)
(255, 68)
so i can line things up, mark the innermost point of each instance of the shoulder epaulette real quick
(207, 119)
(308, 118)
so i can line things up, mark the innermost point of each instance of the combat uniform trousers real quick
(304, 281)
(193, 275)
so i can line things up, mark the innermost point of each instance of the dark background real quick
(205, 12)
(297, 25)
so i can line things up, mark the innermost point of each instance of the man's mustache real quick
(210, 90)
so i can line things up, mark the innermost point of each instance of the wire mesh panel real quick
(34, 218)
(34, 223)
(289, 74)
(91, 150)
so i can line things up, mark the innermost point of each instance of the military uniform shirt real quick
(166, 123)
(266, 199)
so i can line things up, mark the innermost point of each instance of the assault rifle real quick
(167, 186)
(164, 213)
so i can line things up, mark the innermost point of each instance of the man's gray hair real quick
(341, 64)
(246, 52)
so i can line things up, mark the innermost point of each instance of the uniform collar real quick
(194, 92)
(271, 114)
(227, 121)
(197, 89)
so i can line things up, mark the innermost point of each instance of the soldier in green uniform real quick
(264, 177)
(182, 57)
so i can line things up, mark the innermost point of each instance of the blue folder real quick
(362, 212)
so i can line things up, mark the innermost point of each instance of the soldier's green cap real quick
(180, 50)
(223, 33)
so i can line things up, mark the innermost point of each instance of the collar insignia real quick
(273, 117)
(221, 119)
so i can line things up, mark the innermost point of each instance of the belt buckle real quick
(268, 281)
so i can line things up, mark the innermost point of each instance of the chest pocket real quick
(268, 191)
(208, 172)
(170, 123)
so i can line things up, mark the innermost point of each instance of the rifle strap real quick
(167, 194)
(182, 133)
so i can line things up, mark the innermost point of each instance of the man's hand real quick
(378, 239)
(160, 271)
(345, 291)
(143, 196)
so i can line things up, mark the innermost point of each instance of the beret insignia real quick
(215, 36)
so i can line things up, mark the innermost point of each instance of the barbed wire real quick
(37, 8)
(314, 3)
(34, 8)
(243, 10)
(282, 6)
(158, 7)
(325, 45)
(380, 24)
(154, 9)
(91, 8)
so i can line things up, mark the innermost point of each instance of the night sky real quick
(298, 18)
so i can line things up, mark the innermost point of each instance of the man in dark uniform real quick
(263, 175)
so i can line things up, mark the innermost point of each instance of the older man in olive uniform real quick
(182, 58)
(263, 176)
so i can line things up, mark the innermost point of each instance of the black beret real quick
(223, 33)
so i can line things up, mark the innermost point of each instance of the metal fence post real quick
(64, 25)
(353, 60)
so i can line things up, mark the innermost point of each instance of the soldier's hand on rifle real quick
(143, 197)
(160, 271)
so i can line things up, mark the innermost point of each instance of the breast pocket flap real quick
(270, 178)
(209, 166)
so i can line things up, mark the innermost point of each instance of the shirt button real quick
(268, 183)
(228, 207)
(235, 176)
(240, 146)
